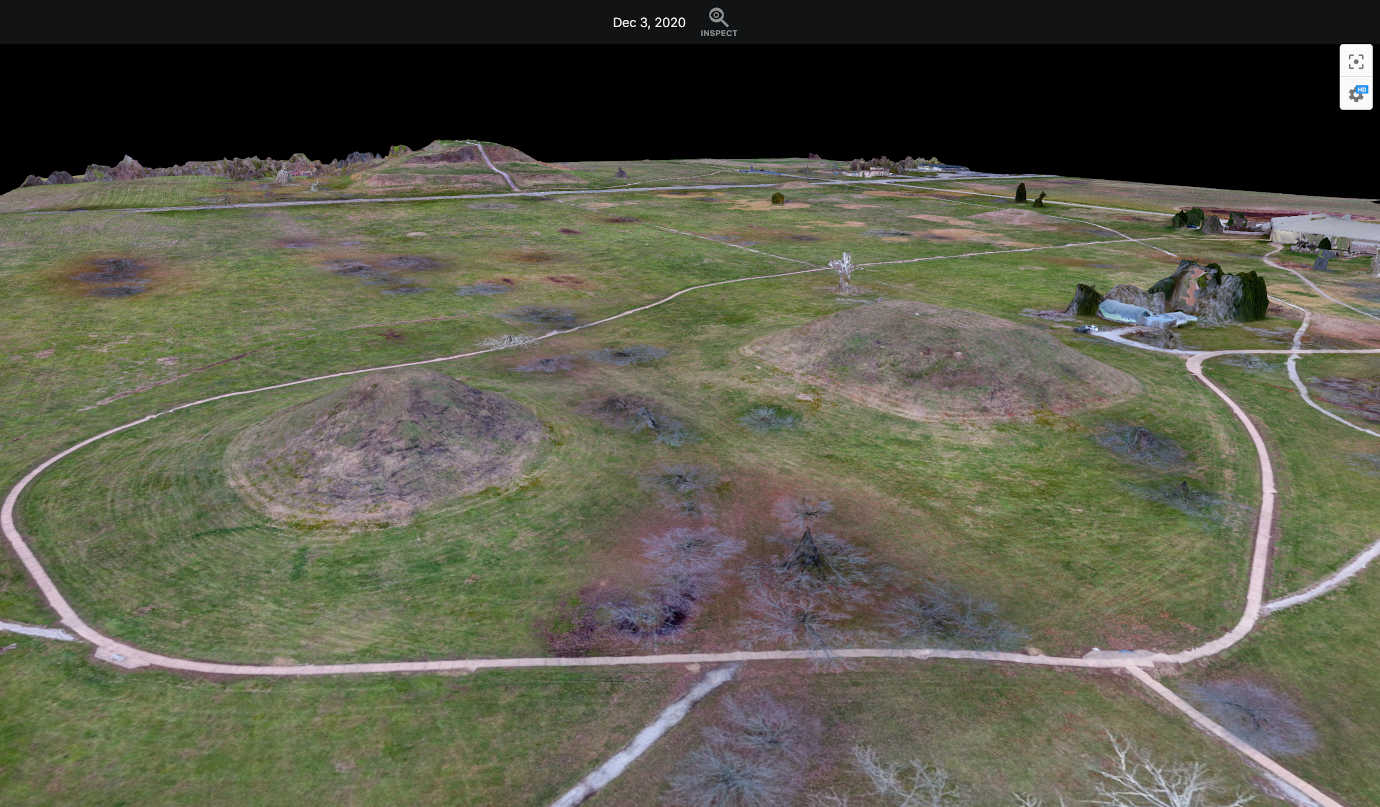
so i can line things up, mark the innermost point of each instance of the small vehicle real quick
(1085, 329)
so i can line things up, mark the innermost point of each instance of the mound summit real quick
(927, 362)
(381, 449)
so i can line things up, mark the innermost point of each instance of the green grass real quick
(72, 732)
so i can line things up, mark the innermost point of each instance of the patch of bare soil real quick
(486, 288)
(1022, 218)
(573, 281)
(926, 362)
(1258, 714)
(568, 231)
(384, 271)
(382, 448)
(547, 364)
(620, 219)
(544, 315)
(1345, 331)
(765, 204)
(964, 234)
(1359, 395)
(108, 276)
(630, 355)
(635, 413)
(940, 219)
(1140, 445)
(531, 256)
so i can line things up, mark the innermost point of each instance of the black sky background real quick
(1260, 117)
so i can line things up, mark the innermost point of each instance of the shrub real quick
(778, 198)
(943, 616)
(1255, 301)
(716, 776)
(1020, 193)
(1326, 243)
(763, 419)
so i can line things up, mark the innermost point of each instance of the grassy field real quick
(75, 733)
(995, 730)
(1075, 544)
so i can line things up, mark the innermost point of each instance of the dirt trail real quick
(482, 153)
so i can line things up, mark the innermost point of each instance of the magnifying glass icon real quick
(716, 14)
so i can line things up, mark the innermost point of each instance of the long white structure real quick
(1363, 236)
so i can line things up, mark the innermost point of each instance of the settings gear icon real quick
(1355, 95)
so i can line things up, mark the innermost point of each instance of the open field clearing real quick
(75, 733)
(667, 427)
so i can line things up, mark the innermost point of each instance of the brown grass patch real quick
(1022, 218)
(765, 204)
(566, 280)
(963, 234)
(531, 256)
(115, 276)
(855, 206)
(939, 219)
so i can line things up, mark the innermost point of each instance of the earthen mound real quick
(927, 362)
(382, 448)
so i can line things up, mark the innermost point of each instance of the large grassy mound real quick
(925, 362)
(381, 448)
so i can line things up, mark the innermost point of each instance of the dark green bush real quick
(778, 198)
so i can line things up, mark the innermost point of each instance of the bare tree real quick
(844, 268)
(793, 618)
(820, 564)
(945, 616)
(914, 784)
(717, 776)
(797, 513)
(1137, 781)
(760, 724)
(689, 557)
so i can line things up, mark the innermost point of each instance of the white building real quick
(1344, 233)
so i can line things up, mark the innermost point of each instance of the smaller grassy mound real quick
(382, 448)
(927, 362)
